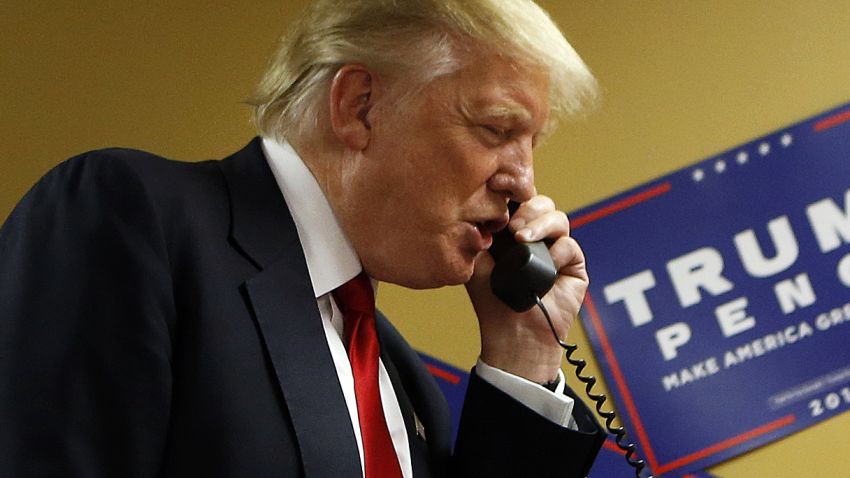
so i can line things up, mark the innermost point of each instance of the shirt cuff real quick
(554, 406)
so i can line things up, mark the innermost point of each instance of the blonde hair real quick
(411, 39)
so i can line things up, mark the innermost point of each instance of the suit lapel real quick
(283, 304)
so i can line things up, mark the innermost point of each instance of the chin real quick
(458, 279)
(432, 275)
(434, 280)
(454, 273)
(425, 270)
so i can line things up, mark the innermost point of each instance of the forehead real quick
(497, 87)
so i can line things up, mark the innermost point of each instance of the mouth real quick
(485, 229)
(484, 237)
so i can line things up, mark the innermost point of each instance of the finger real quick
(569, 258)
(531, 209)
(552, 225)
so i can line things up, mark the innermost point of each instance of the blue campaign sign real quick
(719, 306)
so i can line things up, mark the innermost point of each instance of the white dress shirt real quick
(331, 262)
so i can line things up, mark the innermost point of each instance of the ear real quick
(351, 98)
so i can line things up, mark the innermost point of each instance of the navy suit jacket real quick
(157, 320)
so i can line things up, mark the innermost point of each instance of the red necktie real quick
(357, 303)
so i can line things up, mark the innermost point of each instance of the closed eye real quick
(496, 132)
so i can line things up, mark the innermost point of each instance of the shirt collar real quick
(331, 259)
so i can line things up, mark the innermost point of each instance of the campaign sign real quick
(610, 462)
(719, 301)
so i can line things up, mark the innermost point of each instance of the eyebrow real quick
(511, 112)
(520, 115)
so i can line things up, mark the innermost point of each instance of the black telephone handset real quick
(523, 273)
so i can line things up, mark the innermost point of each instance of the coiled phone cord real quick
(598, 398)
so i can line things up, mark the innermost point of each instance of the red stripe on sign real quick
(833, 120)
(443, 374)
(620, 205)
(612, 446)
(767, 428)
(628, 401)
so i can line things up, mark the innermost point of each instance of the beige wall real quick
(681, 81)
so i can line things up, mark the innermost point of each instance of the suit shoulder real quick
(129, 172)
(128, 164)
(122, 182)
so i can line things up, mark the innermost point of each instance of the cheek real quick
(452, 187)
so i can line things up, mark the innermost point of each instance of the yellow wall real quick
(681, 81)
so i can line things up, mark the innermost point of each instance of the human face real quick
(425, 196)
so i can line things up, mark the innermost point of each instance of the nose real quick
(515, 176)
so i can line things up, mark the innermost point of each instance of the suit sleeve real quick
(85, 326)
(500, 437)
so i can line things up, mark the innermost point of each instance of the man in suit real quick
(173, 319)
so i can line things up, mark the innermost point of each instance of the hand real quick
(522, 343)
